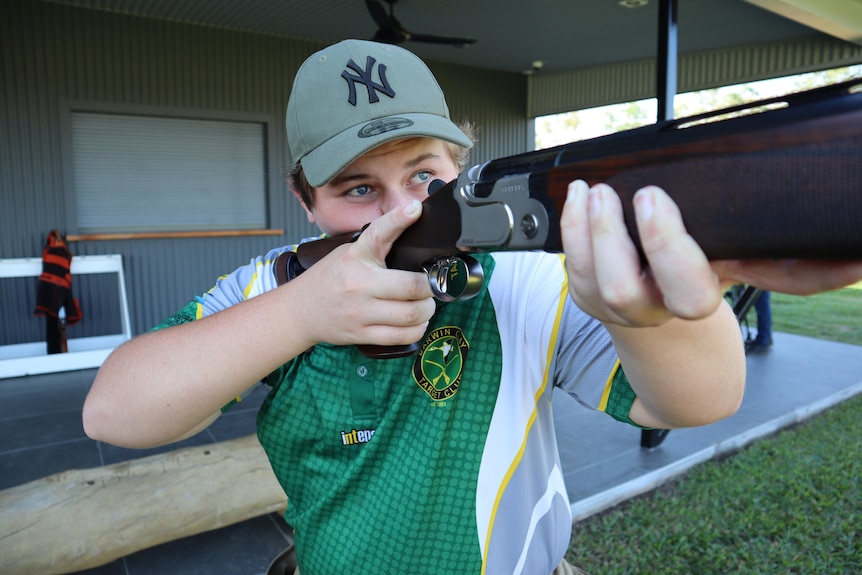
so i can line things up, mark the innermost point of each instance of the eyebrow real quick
(421, 158)
(344, 178)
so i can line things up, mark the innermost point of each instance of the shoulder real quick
(528, 272)
(245, 282)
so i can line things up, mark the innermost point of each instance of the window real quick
(579, 125)
(150, 173)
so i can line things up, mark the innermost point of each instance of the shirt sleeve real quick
(588, 368)
(250, 280)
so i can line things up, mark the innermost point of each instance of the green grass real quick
(836, 315)
(791, 503)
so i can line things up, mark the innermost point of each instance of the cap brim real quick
(326, 161)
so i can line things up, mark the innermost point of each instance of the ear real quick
(308, 213)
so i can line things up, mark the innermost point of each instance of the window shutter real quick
(150, 174)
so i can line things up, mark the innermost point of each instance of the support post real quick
(666, 78)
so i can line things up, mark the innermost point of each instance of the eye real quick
(422, 177)
(358, 191)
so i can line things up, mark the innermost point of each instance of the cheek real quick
(339, 217)
(452, 174)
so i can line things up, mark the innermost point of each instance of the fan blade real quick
(390, 36)
(378, 13)
(435, 39)
(390, 30)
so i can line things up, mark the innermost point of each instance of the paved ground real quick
(40, 427)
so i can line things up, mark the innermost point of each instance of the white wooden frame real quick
(22, 359)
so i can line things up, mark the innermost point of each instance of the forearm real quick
(160, 386)
(685, 373)
(163, 385)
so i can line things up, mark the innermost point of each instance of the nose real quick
(396, 196)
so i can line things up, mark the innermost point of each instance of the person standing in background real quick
(762, 342)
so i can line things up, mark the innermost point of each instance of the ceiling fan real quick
(391, 31)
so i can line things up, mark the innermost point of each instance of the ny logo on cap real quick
(364, 77)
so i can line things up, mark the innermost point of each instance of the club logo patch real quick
(440, 362)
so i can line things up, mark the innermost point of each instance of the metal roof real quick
(511, 35)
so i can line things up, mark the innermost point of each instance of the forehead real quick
(391, 158)
(405, 145)
(398, 154)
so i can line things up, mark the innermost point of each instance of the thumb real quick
(378, 237)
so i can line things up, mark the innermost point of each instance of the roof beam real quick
(839, 18)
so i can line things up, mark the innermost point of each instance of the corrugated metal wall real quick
(51, 53)
(599, 86)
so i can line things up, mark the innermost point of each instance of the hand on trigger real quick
(358, 300)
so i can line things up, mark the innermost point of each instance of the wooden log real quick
(80, 519)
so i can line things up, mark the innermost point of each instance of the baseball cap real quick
(355, 95)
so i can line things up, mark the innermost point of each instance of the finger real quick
(402, 313)
(388, 324)
(387, 335)
(626, 289)
(376, 241)
(400, 285)
(577, 243)
(688, 285)
(381, 301)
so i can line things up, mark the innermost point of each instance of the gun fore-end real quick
(774, 179)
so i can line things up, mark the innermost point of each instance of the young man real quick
(445, 461)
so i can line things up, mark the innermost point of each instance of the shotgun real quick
(777, 178)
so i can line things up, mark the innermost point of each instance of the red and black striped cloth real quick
(54, 289)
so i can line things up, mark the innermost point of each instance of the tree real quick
(809, 81)
(702, 101)
(557, 129)
(631, 115)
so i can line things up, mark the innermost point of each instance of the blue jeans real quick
(764, 319)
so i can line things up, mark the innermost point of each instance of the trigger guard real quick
(455, 278)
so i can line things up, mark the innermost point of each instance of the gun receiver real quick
(778, 178)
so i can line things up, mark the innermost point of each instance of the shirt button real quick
(361, 371)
